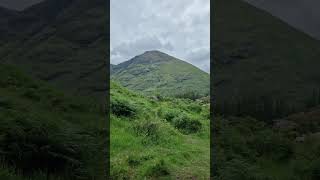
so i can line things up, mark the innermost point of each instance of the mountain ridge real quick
(246, 70)
(157, 72)
(65, 46)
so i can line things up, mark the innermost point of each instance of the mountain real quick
(303, 15)
(63, 42)
(164, 138)
(18, 4)
(46, 134)
(261, 62)
(156, 72)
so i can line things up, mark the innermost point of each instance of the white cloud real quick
(180, 28)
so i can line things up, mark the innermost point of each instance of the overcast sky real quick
(180, 28)
(18, 4)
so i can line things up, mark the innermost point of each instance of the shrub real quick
(189, 95)
(195, 107)
(32, 150)
(31, 94)
(121, 107)
(5, 103)
(148, 129)
(157, 170)
(186, 124)
(169, 115)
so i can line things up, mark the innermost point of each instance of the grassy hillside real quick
(155, 72)
(63, 42)
(261, 60)
(158, 137)
(246, 148)
(266, 90)
(46, 134)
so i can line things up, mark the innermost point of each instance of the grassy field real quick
(158, 137)
(45, 133)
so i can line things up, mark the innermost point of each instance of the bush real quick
(121, 107)
(5, 103)
(169, 115)
(148, 129)
(32, 150)
(186, 124)
(189, 95)
(158, 170)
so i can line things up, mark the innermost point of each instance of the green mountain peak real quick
(157, 72)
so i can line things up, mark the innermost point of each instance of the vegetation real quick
(257, 56)
(46, 134)
(266, 90)
(246, 148)
(62, 42)
(155, 72)
(158, 137)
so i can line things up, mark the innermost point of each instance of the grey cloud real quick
(129, 49)
(201, 57)
(180, 28)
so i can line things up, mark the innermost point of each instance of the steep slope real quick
(303, 15)
(62, 42)
(46, 134)
(156, 72)
(164, 138)
(246, 148)
(260, 61)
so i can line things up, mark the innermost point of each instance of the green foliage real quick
(121, 107)
(247, 148)
(186, 124)
(256, 55)
(170, 114)
(149, 130)
(46, 134)
(158, 169)
(149, 146)
(189, 95)
(155, 72)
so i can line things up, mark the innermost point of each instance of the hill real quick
(154, 72)
(266, 92)
(61, 42)
(261, 62)
(303, 15)
(46, 134)
(158, 137)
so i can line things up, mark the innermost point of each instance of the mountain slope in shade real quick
(258, 56)
(62, 42)
(157, 72)
(304, 15)
(46, 134)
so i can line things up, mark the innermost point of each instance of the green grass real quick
(246, 148)
(44, 133)
(155, 72)
(148, 143)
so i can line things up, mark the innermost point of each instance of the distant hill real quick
(262, 61)
(156, 72)
(63, 42)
